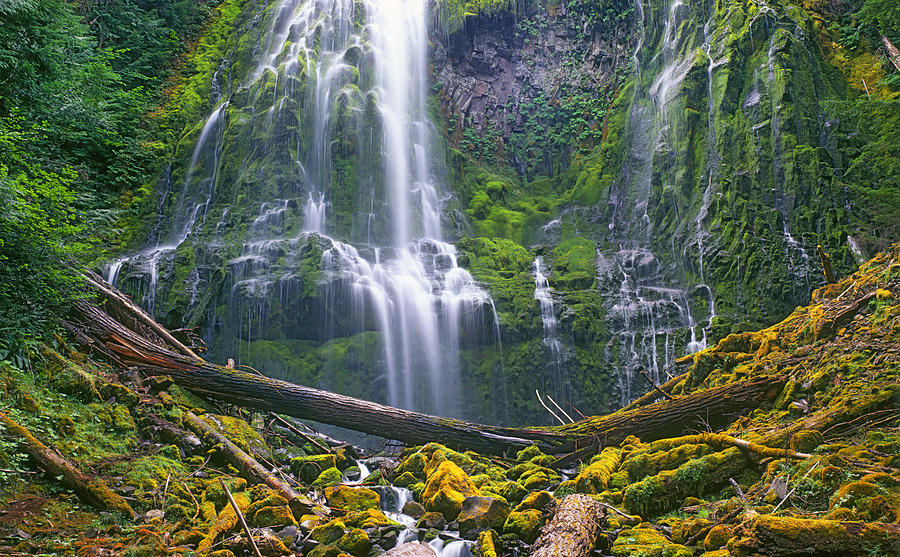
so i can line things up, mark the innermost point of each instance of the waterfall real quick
(339, 159)
(544, 295)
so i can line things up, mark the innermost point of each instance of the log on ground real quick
(93, 326)
(782, 536)
(575, 530)
(91, 490)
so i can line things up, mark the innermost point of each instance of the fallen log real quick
(93, 326)
(249, 467)
(91, 490)
(574, 530)
(782, 536)
(668, 418)
(654, 394)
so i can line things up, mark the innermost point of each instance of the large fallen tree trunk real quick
(93, 326)
(574, 529)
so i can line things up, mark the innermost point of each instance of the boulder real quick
(352, 498)
(446, 489)
(482, 513)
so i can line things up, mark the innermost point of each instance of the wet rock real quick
(433, 520)
(413, 509)
(308, 468)
(525, 525)
(412, 549)
(482, 513)
(446, 489)
(355, 542)
(352, 498)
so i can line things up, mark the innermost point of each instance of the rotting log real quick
(574, 531)
(249, 467)
(669, 418)
(655, 393)
(94, 327)
(782, 536)
(91, 490)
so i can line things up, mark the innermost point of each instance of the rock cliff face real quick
(626, 181)
(495, 71)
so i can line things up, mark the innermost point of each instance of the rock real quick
(446, 489)
(412, 549)
(329, 532)
(537, 500)
(352, 498)
(355, 542)
(718, 536)
(273, 516)
(595, 478)
(413, 509)
(525, 525)
(154, 514)
(487, 544)
(646, 541)
(432, 520)
(482, 513)
(328, 477)
(308, 468)
(806, 441)
(324, 551)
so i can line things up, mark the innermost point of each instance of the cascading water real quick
(544, 295)
(648, 313)
(342, 165)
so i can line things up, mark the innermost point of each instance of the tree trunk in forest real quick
(573, 531)
(95, 328)
(91, 490)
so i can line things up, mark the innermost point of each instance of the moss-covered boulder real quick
(482, 513)
(329, 532)
(446, 489)
(355, 542)
(352, 498)
(646, 542)
(328, 477)
(308, 468)
(525, 525)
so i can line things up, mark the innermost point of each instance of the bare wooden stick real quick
(240, 515)
(653, 384)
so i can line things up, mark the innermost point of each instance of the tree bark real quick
(94, 327)
(91, 490)
(574, 530)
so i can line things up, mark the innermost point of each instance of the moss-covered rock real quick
(352, 498)
(355, 542)
(525, 525)
(482, 513)
(308, 468)
(328, 477)
(446, 489)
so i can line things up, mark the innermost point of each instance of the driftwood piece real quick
(781, 536)
(249, 467)
(574, 530)
(91, 490)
